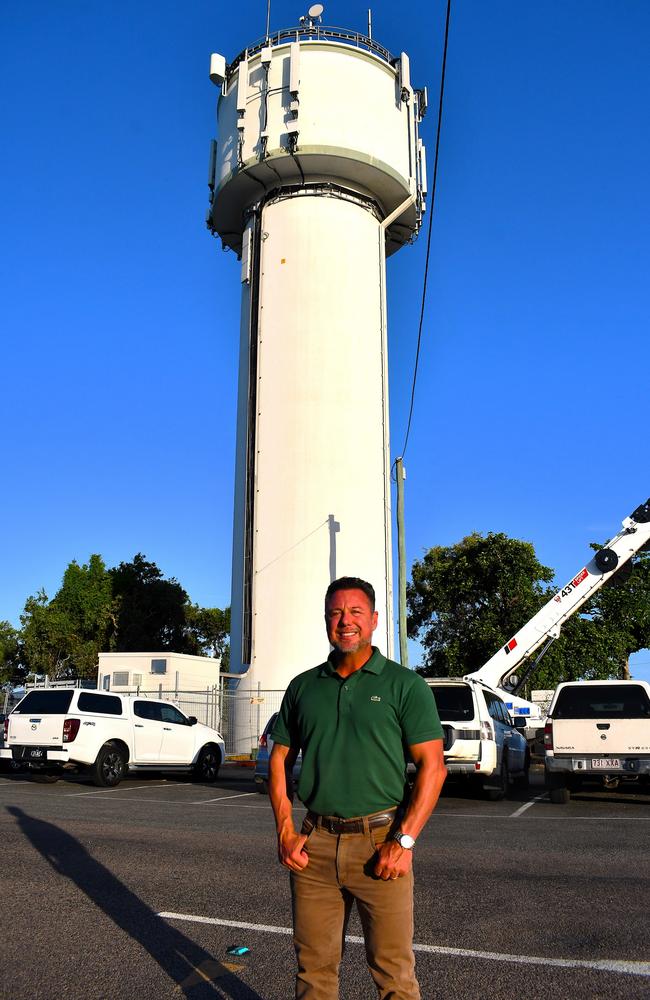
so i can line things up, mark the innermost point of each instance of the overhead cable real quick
(433, 198)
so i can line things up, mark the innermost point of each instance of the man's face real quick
(350, 620)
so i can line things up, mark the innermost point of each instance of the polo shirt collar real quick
(375, 664)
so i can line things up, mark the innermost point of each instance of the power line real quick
(433, 198)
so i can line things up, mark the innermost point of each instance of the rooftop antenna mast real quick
(369, 23)
(268, 17)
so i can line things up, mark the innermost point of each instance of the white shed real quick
(156, 672)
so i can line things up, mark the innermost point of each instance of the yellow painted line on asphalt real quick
(620, 966)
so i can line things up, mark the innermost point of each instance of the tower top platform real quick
(318, 110)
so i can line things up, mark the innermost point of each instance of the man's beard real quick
(354, 648)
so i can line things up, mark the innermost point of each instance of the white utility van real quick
(597, 731)
(57, 729)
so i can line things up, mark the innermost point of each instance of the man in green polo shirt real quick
(355, 718)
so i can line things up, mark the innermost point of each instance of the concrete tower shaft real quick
(317, 174)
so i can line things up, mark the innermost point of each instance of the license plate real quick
(606, 763)
(36, 753)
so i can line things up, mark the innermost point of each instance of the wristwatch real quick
(404, 840)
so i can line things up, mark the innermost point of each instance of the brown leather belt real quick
(336, 825)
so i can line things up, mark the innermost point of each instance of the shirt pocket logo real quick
(375, 697)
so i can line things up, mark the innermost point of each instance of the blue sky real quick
(120, 313)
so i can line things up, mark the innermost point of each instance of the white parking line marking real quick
(238, 795)
(527, 805)
(239, 924)
(628, 968)
(133, 788)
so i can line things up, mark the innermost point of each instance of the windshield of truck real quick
(611, 701)
(45, 703)
(454, 704)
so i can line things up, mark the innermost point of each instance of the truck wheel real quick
(559, 796)
(496, 787)
(110, 766)
(207, 766)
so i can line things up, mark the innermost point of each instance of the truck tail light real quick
(487, 733)
(70, 730)
(263, 742)
(6, 730)
(548, 736)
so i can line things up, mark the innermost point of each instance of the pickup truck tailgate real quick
(601, 736)
(38, 721)
(42, 731)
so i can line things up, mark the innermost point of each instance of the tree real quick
(623, 605)
(12, 670)
(129, 608)
(150, 612)
(466, 600)
(596, 643)
(62, 637)
(211, 630)
(587, 649)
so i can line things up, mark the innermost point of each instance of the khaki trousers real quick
(339, 874)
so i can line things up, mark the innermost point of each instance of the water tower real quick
(317, 174)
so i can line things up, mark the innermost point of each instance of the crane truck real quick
(499, 672)
(481, 740)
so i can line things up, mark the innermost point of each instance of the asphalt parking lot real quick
(139, 891)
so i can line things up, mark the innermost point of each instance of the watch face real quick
(406, 841)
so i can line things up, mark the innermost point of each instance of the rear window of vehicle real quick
(107, 704)
(454, 704)
(614, 701)
(45, 703)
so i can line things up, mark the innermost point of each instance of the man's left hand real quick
(393, 861)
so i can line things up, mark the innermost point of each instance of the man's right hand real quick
(291, 851)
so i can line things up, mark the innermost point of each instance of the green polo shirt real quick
(353, 732)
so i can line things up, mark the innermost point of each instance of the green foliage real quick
(62, 637)
(130, 608)
(150, 612)
(623, 605)
(211, 630)
(11, 667)
(466, 600)
(597, 642)
(585, 650)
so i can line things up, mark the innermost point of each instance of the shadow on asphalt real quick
(468, 788)
(188, 965)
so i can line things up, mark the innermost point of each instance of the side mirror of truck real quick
(520, 722)
(192, 719)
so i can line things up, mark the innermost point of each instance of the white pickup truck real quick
(597, 731)
(53, 730)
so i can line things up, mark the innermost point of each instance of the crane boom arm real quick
(546, 624)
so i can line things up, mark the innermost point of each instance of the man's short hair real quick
(351, 583)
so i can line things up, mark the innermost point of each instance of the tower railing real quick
(315, 33)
